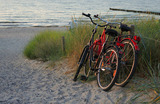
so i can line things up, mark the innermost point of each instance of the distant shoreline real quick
(56, 26)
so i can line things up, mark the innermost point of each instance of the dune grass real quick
(45, 46)
(76, 39)
(149, 30)
(148, 69)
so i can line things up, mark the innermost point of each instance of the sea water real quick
(26, 13)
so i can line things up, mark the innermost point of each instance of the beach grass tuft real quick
(149, 31)
(45, 46)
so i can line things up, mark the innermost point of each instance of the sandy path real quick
(24, 81)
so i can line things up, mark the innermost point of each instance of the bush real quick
(47, 46)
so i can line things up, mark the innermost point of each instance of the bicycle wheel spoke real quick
(127, 69)
(112, 58)
(125, 48)
(126, 54)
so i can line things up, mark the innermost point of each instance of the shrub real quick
(47, 46)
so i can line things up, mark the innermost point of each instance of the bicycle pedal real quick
(83, 78)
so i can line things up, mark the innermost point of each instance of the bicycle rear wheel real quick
(82, 61)
(108, 69)
(128, 63)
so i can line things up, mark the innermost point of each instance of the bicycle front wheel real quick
(108, 69)
(82, 61)
(128, 63)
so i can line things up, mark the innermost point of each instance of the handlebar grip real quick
(96, 16)
(87, 15)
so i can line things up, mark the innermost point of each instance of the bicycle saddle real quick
(111, 32)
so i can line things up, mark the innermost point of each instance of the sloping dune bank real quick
(24, 81)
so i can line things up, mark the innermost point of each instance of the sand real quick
(24, 81)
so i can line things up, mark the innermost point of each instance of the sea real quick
(30, 13)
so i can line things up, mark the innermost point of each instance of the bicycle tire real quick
(89, 63)
(86, 66)
(109, 67)
(128, 63)
(82, 60)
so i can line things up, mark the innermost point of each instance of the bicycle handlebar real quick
(123, 27)
(96, 16)
(89, 16)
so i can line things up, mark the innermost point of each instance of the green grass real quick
(46, 46)
(148, 69)
(149, 30)
(76, 39)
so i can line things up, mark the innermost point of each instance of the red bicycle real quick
(100, 56)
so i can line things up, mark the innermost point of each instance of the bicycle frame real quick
(96, 43)
(99, 42)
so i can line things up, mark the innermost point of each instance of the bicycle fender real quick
(134, 43)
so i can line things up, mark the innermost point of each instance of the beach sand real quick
(24, 81)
